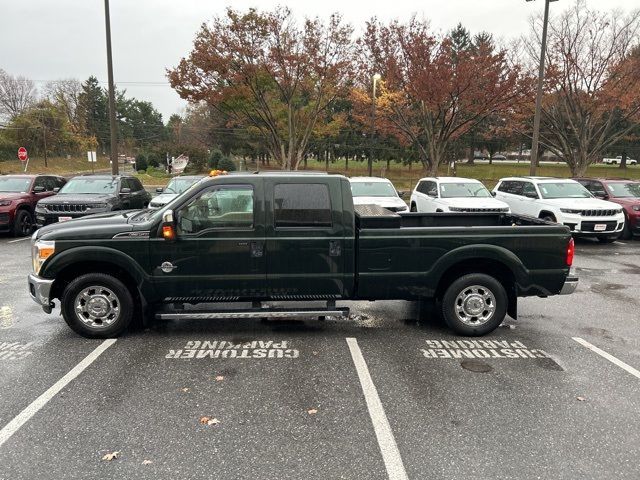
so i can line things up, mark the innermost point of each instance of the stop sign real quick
(22, 154)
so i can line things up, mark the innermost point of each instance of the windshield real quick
(373, 189)
(179, 185)
(463, 189)
(624, 190)
(563, 190)
(15, 185)
(90, 185)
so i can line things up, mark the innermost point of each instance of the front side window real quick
(529, 190)
(301, 205)
(221, 207)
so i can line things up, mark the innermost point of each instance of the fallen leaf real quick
(315, 353)
(147, 462)
(204, 420)
(107, 457)
(313, 411)
(219, 378)
(213, 421)
(185, 389)
(580, 399)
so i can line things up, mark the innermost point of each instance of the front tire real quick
(97, 305)
(607, 239)
(474, 304)
(22, 224)
(626, 231)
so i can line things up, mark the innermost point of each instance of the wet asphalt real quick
(555, 410)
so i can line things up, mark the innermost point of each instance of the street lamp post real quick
(112, 97)
(536, 117)
(376, 78)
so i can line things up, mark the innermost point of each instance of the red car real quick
(18, 197)
(625, 193)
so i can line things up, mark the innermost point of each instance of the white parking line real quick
(386, 441)
(25, 415)
(608, 356)
(19, 240)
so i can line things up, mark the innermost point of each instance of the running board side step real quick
(254, 313)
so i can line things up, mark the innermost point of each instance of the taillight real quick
(571, 250)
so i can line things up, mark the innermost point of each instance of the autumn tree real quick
(592, 83)
(66, 95)
(435, 88)
(270, 74)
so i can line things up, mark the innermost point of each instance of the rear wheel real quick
(22, 224)
(475, 304)
(97, 305)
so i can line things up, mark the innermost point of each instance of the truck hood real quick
(475, 202)
(164, 198)
(78, 198)
(381, 201)
(98, 226)
(13, 196)
(580, 203)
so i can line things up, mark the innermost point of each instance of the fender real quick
(76, 255)
(481, 252)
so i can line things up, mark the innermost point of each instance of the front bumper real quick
(570, 285)
(40, 291)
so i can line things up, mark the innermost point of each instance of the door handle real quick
(257, 249)
(335, 248)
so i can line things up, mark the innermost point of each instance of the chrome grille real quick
(67, 208)
(599, 213)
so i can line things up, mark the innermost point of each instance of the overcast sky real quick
(52, 39)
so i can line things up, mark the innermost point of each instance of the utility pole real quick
(112, 95)
(376, 77)
(44, 138)
(536, 117)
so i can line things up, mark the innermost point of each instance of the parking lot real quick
(555, 394)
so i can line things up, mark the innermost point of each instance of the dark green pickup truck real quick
(257, 238)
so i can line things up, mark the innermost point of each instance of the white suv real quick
(454, 194)
(562, 201)
(376, 191)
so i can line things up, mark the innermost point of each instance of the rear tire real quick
(22, 224)
(97, 305)
(474, 304)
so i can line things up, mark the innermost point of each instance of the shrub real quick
(141, 162)
(153, 159)
(227, 164)
(214, 158)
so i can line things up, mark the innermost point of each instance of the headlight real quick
(40, 251)
(636, 208)
(570, 210)
(5, 203)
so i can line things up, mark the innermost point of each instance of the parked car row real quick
(37, 200)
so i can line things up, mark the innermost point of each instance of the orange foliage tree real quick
(269, 74)
(431, 93)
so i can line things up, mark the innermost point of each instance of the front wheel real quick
(475, 304)
(97, 305)
(607, 239)
(23, 224)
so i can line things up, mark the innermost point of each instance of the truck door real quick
(305, 238)
(218, 254)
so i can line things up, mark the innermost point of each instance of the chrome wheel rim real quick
(475, 305)
(97, 307)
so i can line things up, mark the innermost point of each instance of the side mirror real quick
(432, 193)
(159, 190)
(56, 190)
(601, 195)
(39, 189)
(168, 226)
(493, 194)
(125, 191)
(531, 195)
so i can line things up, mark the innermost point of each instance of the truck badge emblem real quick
(167, 267)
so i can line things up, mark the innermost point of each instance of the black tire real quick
(118, 292)
(626, 231)
(547, 217)
(413, 208)
(488, 287)
(607, 239)
(22, 224)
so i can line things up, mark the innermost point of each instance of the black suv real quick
(89, 194)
